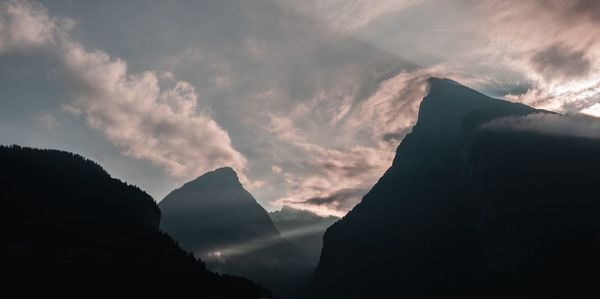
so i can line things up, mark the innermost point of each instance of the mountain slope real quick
(67, 229)
(428, 228)
(217, 219)
(213, 213)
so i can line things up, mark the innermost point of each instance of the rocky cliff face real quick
(447, 218)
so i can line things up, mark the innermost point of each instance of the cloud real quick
(316, 97)
(48, 121)
(343, 199)
(331, 180)
(26, 25)
(276, 169)
(145, 122)
(350, 15)
(164, 126)
(557, 61)
(330, 173)
(593, 110)
(554, 43)
(549, 124)
(391, 110)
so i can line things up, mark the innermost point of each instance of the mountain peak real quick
(449, 91)
(220, 176)
(438, 82)
(224, 172)
(448, 102)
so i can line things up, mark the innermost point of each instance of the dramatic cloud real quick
(143, 120)
(312, 97)
(549, 124)
(330, 181)
(553, 43)
(559, 62)
(26, 25)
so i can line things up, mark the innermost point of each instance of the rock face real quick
(303, 229)
(465, 212)
(218, 220)
(69, 230)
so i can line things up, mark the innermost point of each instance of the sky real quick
(306, 100)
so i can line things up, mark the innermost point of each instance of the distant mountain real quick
(217, 219)
(468, 212)
(303, 229)
(214, 214)
(69, 230)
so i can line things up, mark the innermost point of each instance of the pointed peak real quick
(445, 87)
(444, 108)
(223, 171)
(436, 81)
(223, 175)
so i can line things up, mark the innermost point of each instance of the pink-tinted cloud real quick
(145, 121)
(165, 126)
(26, 25)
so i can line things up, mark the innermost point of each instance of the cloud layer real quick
(164, 126)
(25, 25)
(145, 122)
(309, 98)
(549, 124)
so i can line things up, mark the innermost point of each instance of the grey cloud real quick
(558, 61)
(395, 137)
(343, 199)
(580, 9)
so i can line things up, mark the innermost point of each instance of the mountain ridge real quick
(419, 232)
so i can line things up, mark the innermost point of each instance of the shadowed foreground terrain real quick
(69, 230)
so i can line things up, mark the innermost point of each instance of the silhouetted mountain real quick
(69, 230)
(466, 212)
(213, 213)
(217, 219)
(303, 229)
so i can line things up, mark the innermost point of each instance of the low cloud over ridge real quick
(549, 124)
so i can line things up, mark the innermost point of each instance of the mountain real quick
(214, 214)
(70, 230)
(217, 219)
(303, 229)
(466, 211)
